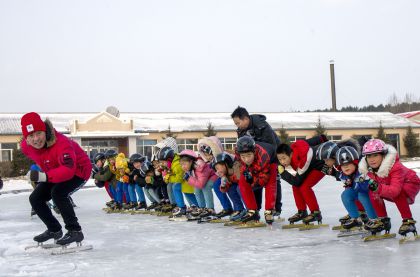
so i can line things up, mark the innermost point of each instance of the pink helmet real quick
(188, 153)
(374, 146)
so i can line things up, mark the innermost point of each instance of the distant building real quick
(138, 132)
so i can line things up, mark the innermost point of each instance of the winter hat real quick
(32, 122)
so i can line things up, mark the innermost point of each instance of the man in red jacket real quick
(65, 168)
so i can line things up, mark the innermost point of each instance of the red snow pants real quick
(304, 195)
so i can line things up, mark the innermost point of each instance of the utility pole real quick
(333, 97)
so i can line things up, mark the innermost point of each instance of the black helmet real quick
(245, 144)
(110, 153)
(166, 153)
(327, 150)
(145, 167)
(137, 158)
(222, 158)
(99, 156)
(346, 154)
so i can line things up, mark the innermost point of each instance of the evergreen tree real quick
(20, 163)
(381, 133)
(320, 129)
(210, 130)
(284, 136)
(411, 143)
(169, 133)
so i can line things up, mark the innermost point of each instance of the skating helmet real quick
(110, 153)
(206, 149)
(166, 153)
(99, 156)
(188, 153)
(327, 150)
(222, 158)
(373, 146)
(245, 144)
(346, 154)
(137, 158)
(145, 167)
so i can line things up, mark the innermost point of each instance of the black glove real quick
(248, 177)
(37, 176)
(187, 176)
(373, 185)
(99, 184)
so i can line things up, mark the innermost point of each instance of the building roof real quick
(182, 122)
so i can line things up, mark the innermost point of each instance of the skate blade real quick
(73, 249)
(280, 219)
(409, 239)
(139, 212)
(293, 226)
(163, 214)
(349, 233)
(219, 220)
(251, 225)
(232, 223)
(379, 237)
(312, 227)
(338, 228)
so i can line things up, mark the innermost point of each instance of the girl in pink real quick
(390, 180)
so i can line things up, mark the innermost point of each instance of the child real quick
(327, 152)
(103, 175)
(169, 162)
(347, 159)
(256, 173)
(229, 172)
(392, 181)
(199, 175)
(209, 148)
(300, 156)
(135, 187)
(147, 173)
(122, 172)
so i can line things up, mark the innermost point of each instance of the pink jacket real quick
(201, 174)
(61, 160)
(393, 177)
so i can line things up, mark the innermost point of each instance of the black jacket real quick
(260, 130)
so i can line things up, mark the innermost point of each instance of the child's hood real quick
(387, 163)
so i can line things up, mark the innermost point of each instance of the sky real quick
(205, 56)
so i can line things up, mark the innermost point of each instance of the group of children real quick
(371, 173)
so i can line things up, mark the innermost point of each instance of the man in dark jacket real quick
(257, 127)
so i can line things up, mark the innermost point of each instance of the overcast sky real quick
(192, 55)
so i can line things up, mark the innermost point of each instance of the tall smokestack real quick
(333, 98)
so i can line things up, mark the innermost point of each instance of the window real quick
(228, 143)
(295, 138)
(187, 144)
(334, 137)
(394, 140)
(145, 147)
(356, 137)
(7, 151)
(93, 147)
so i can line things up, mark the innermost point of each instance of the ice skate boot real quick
(376, 226)
(71, 236)
(152, 206)
(207, 212)
(408, 226)
(364, 217)
(300, 215)
(352, 223)
(269, 216)
(48, 235)
(110, 203)
(344, 219)
(312, 217)
(179, 214)
(251, 220)
(224, 213)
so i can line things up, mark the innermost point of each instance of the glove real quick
(99, 184)
(166, 178)
(149, 180)
(37, 176)
(326, 169)
(186, 176)
(248, 177)
(280, 169)
(373, 185)
(125, 179)
(223, 185)
(95, 170)
(348, 183)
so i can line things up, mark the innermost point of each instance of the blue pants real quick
(136, 192)
(179, 197)
(170, 190)
(126, 194)
(205, 196)
(113, 192)
(132, 193)
(350, 195)
(119, 192)
(151, 193)
(233, 193)
(140, 193)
